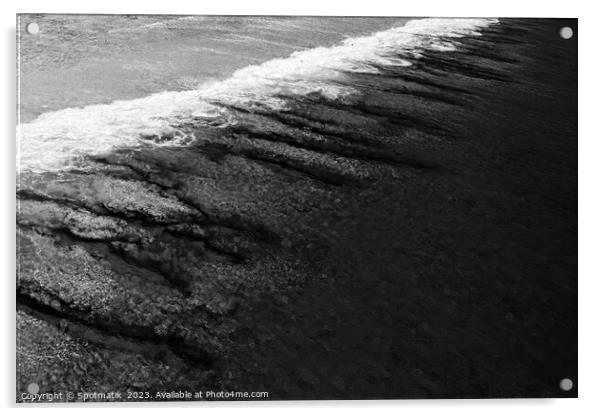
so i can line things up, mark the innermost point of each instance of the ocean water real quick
(319, 208)
(77, 60)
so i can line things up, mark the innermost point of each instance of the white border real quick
(590, 198)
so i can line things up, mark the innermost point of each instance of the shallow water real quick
(78, 60)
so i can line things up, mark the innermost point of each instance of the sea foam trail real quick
(62, 139)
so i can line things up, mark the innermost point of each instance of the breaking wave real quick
(62, 139)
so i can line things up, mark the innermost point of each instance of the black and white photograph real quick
(304, 207)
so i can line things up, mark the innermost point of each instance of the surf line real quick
(62, 139)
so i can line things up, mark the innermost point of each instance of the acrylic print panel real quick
(275, 208)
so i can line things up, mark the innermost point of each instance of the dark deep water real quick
(414, 239)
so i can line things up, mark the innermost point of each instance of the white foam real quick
(63, 138)
(310, 71)
(66, 136)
